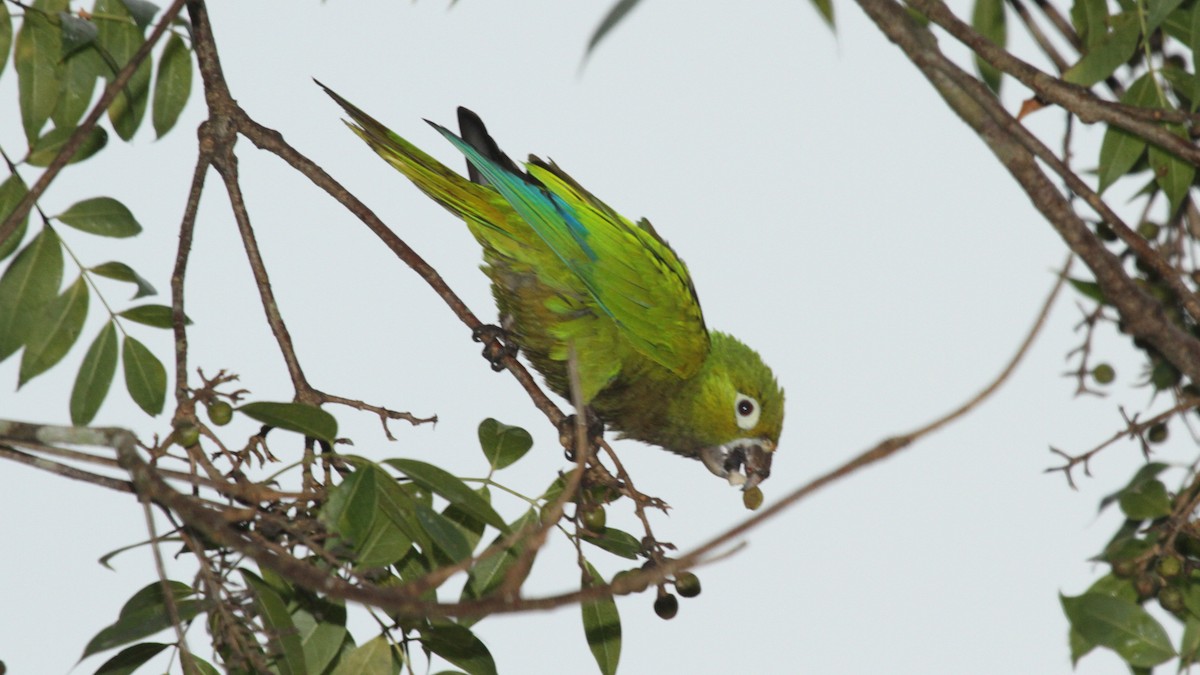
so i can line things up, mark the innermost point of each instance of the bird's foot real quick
(496, 344)
(566, 434)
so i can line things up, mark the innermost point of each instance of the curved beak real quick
(745, 462)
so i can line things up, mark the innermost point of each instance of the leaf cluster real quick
(59, 56)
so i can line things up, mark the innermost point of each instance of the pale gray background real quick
(834, 215)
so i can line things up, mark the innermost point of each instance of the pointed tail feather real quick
(475, 133)
(457, 194)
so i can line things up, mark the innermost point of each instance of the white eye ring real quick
(746, 411)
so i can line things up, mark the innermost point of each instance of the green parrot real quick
(567, 269)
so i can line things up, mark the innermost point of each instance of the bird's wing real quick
(632, 276)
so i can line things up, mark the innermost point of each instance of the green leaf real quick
(39, 75)
(443, 533)
(1088, 289)
(376, 657)
(1185, 85)
(144, 614)
(172, 86)
(1191, 597)
(121, 37)
(1110, 584)
(1178, 24)
(1189, 645)
(1163, 375)
(1121, 150)
(503, 444)
(1146, 500)
(145, 377)
(322, 638)
(150, 596)
(79, 75)
(281, 632)
(204, 667)
(158, 316)
(1158, 12)
(1120, 625)
(122, 272)
(1080, 647)
(471, 527)
(46, 148)
(378, 518)
(1173, 174)
(349, 512)
(6, 36)
(142, 12)
(601, 625)
(77, 32)
(412, 566)
(1090, 18)
(138, 625)
(458, 645)
(1193, 42)
(618, 12)
(825, 9)
(104, 216)
(54, 332)
(489, 572)
(989, 20)
(95, 376)
(1147, 472)
(131, 658)
(1125, 547)
(12, 191)
(30, 283)
(299, 417)
(1102, 60)
(617, 542)
(440, 481)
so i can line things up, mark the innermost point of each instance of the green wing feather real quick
(645, 287)
(611, 287)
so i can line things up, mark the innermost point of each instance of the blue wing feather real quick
(546, 212)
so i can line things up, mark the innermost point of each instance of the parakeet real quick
(567, 269)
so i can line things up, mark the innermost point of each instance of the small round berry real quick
(752, 498)
(594, 519)
(187, 434)
(666, 606)
(1158, 433)
(687, 584)
(220, 412)
(1104, 373)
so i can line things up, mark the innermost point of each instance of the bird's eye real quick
(747, 410)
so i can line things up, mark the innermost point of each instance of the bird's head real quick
(738, 413)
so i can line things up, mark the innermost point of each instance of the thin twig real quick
(1133, 429)
(9, 452)
(187, 228)
(384, 414)
(185, 654)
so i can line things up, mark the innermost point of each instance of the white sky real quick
(834, 215)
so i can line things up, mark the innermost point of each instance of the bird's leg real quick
(566, 433)
(496, 344)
